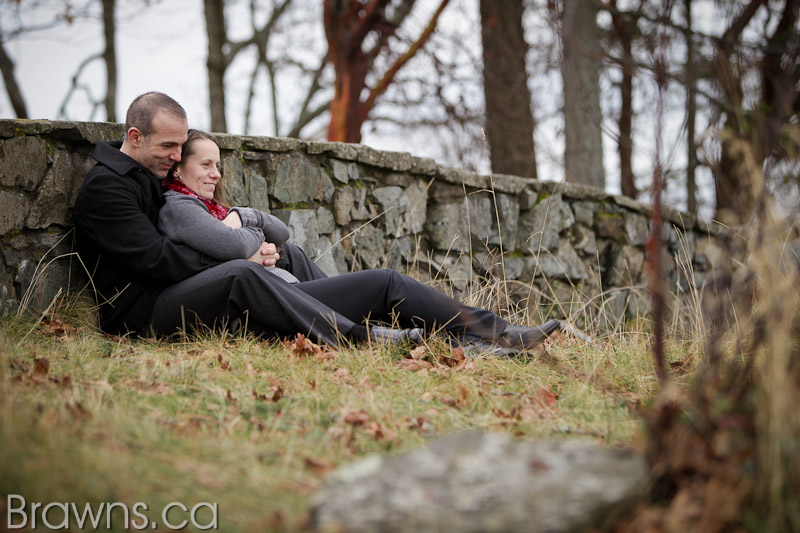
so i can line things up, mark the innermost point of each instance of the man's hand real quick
(267, 255)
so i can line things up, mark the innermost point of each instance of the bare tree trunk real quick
(732, 182)
(691, 112)
(12, 88)
(217, 64)
(583, 155)
(110, 58)
(625, 27)
(509, 120)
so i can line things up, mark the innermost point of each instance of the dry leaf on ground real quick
(355, 417)
(318, 466)
(41, 367)
(413, 364)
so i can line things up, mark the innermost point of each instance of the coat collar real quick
(109, 154)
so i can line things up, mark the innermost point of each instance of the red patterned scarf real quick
(216, 210)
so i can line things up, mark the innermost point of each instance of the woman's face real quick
(200, 171)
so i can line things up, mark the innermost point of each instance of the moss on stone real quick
(8, 236)
(297, 205)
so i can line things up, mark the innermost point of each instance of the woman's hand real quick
(267, 255)
(232, 220)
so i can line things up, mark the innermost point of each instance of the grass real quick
(255, 426)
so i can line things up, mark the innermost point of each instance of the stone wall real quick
(506, 242)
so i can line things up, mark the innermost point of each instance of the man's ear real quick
(134, 137)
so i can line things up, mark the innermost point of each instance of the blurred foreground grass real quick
(255, 426)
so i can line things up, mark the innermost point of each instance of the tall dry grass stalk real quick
(725, 451)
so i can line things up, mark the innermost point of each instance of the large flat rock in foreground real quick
(476, 482)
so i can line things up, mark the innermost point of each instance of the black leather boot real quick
(525, 338)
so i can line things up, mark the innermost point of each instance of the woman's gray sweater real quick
(186, 220)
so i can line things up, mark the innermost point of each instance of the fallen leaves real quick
(275, 391)
(318, 466)
(414, 365)
(41, 367)
(380, 432)
(224, 364)
(354, 417)
(421, 358)
(540, 406)
(57, 328)
(355, 421)
(39, 374)
(302, 348)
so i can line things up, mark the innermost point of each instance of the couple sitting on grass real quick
(167, 257)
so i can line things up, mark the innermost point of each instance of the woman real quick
(227, 234)
(191, 216)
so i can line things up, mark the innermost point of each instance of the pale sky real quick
(162, 47)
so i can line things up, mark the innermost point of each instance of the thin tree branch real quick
(62, 111)
(390, 74)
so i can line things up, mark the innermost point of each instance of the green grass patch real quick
(254, 426)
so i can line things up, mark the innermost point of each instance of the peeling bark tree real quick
(583, 152)
(509, 120)
(357, 32)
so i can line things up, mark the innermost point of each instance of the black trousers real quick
(322, 308)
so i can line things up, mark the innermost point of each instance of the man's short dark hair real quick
(144, 108)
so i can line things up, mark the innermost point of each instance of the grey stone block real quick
(345, 151)
(541, 226)
(344, 172)
(507, 212)
(369, 245)
(299, 180)
(636, 229)
(446, 226)
(583, 240)
(57, 193)
(23, 162)
(611, 226)
(343, 205)
(626, 267)
(302, 224)
(268, 144)
(416, 197)
(480, 215)
(13, 210)
(257, 190)
(325, 222)
(393, 205)
(233, 189)
(584, 212)
(475, 482)
(563, 263)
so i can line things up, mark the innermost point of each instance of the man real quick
(115, 216)
(147, 284)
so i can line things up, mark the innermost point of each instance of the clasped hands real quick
(267, 255)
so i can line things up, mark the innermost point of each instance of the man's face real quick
(161, 149)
